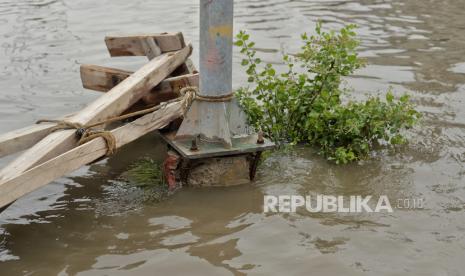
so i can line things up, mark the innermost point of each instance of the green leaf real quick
(389, 97)
(271, 72)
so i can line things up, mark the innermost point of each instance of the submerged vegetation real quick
(147, 175)
(304, 105)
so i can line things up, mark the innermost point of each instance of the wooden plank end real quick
(119, 46)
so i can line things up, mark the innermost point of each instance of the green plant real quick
(304, 104)
(145, 173)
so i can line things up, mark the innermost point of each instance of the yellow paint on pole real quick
(223, 30)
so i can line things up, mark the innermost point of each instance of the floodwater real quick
(92, 223)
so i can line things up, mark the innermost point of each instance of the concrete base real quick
(220, 171)
(210, 172)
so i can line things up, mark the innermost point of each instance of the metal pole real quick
(221, 124)
(211, 120)
(216, 46)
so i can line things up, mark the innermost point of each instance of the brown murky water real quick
(93, 224)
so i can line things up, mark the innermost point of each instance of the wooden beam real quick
(150, 47)
(26, 182)
(22, 139)
(187, 68)
(170, 88)
(103, 79)
(190, 66)
(136, 45)
(113, 103)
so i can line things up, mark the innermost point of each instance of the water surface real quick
(91, 223)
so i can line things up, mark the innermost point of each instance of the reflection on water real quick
(93, 224)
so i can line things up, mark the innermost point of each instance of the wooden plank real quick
(110, 104)
(26, 182)
(22, 139)
(134, 45)
(190, 67)
(150, 47)
(101, 78)
(170, 88)
(187, 68)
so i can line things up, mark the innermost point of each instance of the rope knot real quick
(205, 98)
(191, 93)
(84, 134)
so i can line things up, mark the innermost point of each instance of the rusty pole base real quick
(203, 164)
(200, 149)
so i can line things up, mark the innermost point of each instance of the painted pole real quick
(215, 121)
(216, 46)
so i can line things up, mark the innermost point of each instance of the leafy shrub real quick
(303, 105)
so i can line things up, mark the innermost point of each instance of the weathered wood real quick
(110, 104)
(170, 88)
(150, 47)
(190, 67)
(22, 139)
(187, 68)
(101, 78)
(134, 45)
(26, 182)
